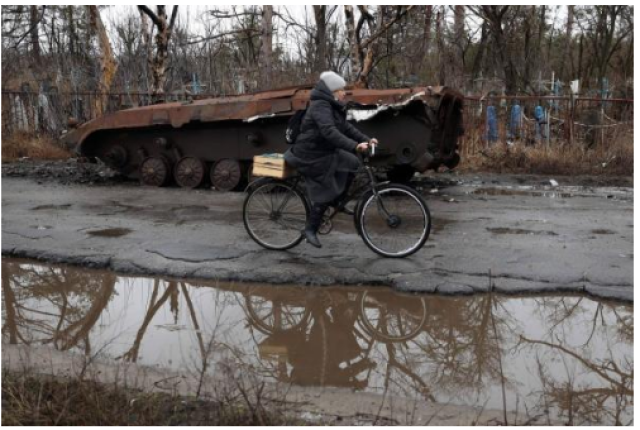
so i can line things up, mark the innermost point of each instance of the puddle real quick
(506, 230)
(110, 232)
(568, 355)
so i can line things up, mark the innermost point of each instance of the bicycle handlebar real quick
(370, 152)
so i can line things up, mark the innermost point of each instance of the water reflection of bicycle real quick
(326, 338)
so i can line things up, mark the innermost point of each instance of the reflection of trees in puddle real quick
(69, 304)
(607, 396)
(436, 348)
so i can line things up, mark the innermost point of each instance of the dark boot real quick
(340, 203)
(313, 224)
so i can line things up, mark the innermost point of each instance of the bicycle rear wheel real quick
(274, 215)
(395, 223)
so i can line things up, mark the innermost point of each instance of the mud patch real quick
(51, 207)
(110, 232)
(506, 230)
(602, 231)
(523, 193)
(439, 224)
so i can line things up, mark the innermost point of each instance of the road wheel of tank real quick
(401, 174)
(227, 175)
(155, 172)
(116, 156)
(189, 172)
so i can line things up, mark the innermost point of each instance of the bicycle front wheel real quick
(274, 215)
(394, 223)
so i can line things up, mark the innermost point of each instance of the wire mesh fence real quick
(487, 121)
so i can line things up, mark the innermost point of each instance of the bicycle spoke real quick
(274, 214)
(394, 222)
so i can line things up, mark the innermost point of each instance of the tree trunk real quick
(428, 17)
(567, 55)
(34, 32)
(71, 28)
(442, 73)
(528, 51)
(106, 59)
(320, 38)
(541, 32)
(458, 54)
(162, 38)
(159, 70)
(356, 65)
(482, 46)
(426, 41)
(372, 50)
(266, 49)
(146, 37)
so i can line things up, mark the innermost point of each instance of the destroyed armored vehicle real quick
(214, 140)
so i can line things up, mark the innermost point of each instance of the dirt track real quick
(513, 233)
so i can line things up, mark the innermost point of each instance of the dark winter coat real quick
(324, 152)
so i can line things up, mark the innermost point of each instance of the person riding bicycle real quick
(324, 151)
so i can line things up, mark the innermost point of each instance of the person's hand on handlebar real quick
(362, 147)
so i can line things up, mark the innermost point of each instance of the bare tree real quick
(495, 17)
(164, 29)
(363, 51)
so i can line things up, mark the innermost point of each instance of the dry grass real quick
(612, 159)
(20, 145)
(30, 399)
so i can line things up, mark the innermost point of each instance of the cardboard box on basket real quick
(272, 165)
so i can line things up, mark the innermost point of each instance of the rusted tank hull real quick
(417, 128)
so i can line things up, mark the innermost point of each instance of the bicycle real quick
(392, 219)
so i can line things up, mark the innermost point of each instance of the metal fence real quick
(487, 121)
(543, 121)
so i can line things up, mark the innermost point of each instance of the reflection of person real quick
(324, 151)
(328, 353)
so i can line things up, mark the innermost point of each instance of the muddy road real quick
(508, 234)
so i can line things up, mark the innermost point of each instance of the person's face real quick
(340, 95)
